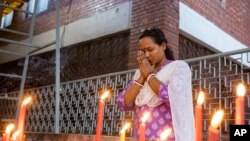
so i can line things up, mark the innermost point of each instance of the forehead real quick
(146, 42)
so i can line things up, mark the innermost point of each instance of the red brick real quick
(232, 16)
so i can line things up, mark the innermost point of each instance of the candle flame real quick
(241, 90)
(164, 135)
(26, 100)
(9, 128)
(15, 134)
(217, 118)
(104, 95)
(125, 127)
(145, 117)
(201, 98)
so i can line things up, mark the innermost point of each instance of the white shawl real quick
(177, 76)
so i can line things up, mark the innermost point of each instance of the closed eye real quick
(143, 50)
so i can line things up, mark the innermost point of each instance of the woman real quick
(162, 87)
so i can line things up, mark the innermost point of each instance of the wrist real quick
(141, 80)
(150, 76)
(138, 83)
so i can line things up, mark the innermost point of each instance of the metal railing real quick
(217, 74)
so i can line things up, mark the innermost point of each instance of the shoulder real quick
(180, 62)
(181, 65)
(175, 67)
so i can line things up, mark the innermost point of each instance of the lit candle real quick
(123, 131)
(100, 115)
(164, 135)
(198, 117)
(239, 105)
(15, 135)
(8, 130)
(213, 132)
(143, 126)
(21, 118)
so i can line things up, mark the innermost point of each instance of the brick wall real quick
(232, 16)
(160, 13)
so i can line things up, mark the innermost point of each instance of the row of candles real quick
(142, 129)
(213, 131)
(213, 134)
(18, 135)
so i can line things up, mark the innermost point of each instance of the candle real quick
(239, 105)
(123, 131)
(100, 115)
(4, 137)
(213, 132)
(8, 130)
(122, 136)
(198, 117)
(21, 118)
(142, 132)
(143, 126)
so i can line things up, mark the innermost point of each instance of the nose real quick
(147, 54)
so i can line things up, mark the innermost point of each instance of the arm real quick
(160, 88)
(147, 70)
(125, 99)
(154, 83)
(133, 91)
(120, 100)
(140, 76)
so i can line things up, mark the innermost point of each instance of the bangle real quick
(150, 76)
(139, 84)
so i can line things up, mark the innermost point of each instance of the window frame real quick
(42, 6)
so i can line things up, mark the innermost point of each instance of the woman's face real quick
(154, 52)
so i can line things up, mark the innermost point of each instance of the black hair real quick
(158, 37)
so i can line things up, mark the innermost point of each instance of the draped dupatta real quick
(177, 76)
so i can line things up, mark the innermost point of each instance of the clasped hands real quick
(144, 65)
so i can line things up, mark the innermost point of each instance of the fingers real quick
(139, 57)
(142, 55)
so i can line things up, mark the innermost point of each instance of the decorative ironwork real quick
(78, 106)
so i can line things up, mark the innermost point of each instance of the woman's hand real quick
(145, 67)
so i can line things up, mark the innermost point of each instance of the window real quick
(42, 5)
(6, 20)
